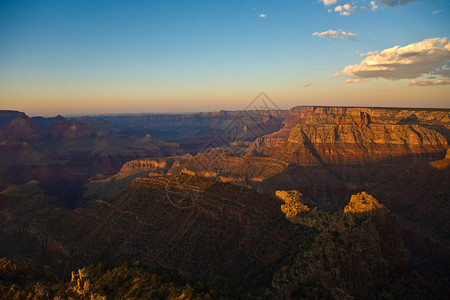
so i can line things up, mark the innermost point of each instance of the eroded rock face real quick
(295, 203)
(221, 233)
(313, 144)
(360, 126)
(362, 203)
(355, 251)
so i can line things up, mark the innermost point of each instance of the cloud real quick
(355, 80)
(444, 81)
(335, 34)
(345, 10)
(373, 6)
(436, 11)
(310, 83)
(393, 3)
(428, 57)
(263, 16)
(328, 2)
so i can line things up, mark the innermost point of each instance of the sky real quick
(75, 57)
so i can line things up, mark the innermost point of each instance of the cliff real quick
(350, 253)
(438, 120)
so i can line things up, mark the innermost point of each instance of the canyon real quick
(338, 201)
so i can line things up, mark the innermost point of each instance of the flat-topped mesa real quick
(363, 203)
(142, 165)
(324, 115)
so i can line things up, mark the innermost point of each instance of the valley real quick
(287, 203)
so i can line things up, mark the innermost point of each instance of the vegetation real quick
(20, 280)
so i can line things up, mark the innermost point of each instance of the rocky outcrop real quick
(295, 203)
(363, 203)
(142, 165)
(355, 251)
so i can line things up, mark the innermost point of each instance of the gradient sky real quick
(135, 56)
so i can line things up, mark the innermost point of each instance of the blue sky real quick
(82, 57)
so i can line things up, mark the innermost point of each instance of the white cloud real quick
(328, 2)
(444, 81)
(393, 3)
(348, 7)
(436, 11)
(373, 6)
(428, 57)
(345, 10)
(336, 34)
(263, 16)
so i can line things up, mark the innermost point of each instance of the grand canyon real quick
(310, 202)
(258, 149)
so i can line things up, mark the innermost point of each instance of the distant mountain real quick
(194, 131)
(46, 122)
(22, 128)
(66, 153)
(6, 116)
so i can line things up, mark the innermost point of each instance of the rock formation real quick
(64, 155)
(350, 253)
